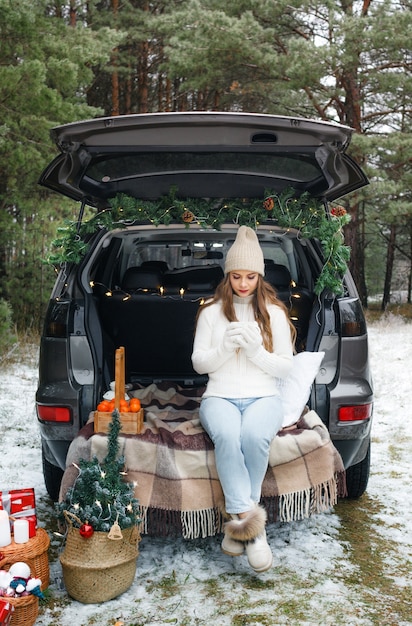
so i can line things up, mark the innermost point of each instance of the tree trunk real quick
(128, 94)
(350, 113)
(168, 96)
(160, 102)
(143, 69)
(410, 269)
(143, 78)
(355, 239)
(115, 86)
(73, 13)
(115, 75)
(390, 256)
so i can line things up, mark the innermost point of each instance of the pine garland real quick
(305, 214)
(100, 496)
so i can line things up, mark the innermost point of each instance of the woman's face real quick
(243, 283)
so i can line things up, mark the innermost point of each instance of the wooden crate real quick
(132, 423)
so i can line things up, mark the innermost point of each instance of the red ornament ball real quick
(86, 530)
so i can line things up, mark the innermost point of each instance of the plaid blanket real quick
(173, 465)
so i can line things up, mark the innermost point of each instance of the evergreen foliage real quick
(7, 337)
(347, 62)
(305, 214)
(45, 69)
(100, 496)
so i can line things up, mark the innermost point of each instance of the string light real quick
(109, 293)
(305, 215)
(98, 494)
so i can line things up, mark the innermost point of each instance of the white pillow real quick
(295, 389)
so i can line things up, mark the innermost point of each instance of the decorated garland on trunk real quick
(304, 214)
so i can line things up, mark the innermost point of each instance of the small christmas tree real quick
(100, 497)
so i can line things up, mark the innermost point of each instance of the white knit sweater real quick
(233, 374)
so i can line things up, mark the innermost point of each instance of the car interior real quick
(149, 298)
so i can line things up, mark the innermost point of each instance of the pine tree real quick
(100, 496)
(46, 67)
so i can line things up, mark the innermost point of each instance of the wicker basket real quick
(25, 611)
(97, 569)
(26, 608)
(34, 551)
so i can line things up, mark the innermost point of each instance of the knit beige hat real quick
(245, 253)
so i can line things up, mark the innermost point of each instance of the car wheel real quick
(52, 478)
(357, 476)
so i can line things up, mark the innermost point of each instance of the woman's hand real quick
(230, 339)
(249, 339)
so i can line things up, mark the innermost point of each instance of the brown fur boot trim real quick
(249, 527)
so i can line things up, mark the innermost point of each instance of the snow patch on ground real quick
(193, 582)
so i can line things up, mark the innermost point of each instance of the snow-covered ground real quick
(316, 578)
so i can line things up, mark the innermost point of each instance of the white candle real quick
(21, 531)
(5, 535)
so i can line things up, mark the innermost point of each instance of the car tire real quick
(52, 478)
(357, 476)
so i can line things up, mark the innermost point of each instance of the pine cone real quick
(338, 211)
(269, 204)
(188, 217)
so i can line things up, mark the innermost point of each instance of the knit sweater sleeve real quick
(279, 362)
(207, 357)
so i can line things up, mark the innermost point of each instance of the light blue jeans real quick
(241, 431)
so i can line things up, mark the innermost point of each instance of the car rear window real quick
(299, 167)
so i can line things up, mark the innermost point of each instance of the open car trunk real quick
(147, 287)
(202, 155)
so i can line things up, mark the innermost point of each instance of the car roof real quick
(200, 154)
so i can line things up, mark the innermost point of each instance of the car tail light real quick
(57, 319)
(355, 413)
(47, 413)
(352, 319)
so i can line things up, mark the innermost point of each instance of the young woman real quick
(244, 342)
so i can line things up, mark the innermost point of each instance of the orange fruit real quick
(123, 406)
(103, 406)
(134, 405)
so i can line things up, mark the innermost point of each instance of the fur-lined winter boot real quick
(248, 527)
(231, 546)
(259, 554)
(250, 532)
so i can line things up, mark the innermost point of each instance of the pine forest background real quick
(346, 61)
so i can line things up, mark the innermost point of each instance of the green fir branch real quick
(99, 495)
(305, 214)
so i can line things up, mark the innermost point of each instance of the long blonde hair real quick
(263, 295)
